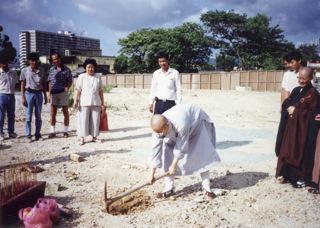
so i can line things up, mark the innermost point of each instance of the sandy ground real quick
(246, 125)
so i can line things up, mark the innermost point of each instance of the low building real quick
(316, 66)
(75, 62)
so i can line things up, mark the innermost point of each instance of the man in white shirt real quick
(290, 77)
(165, 86)
(186, 144)
(8, 80)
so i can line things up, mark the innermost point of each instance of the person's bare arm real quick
(45, 97)
(77, 94)
(49, 92)
(152, 94)
(173, 166)
(101, 97)
(70, 82)
(284, 95)
(23, 91)
(151, 178)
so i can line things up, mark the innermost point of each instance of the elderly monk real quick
(297, 132)
(184, 142)
(316, 167)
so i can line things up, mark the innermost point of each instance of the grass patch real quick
(107, 88)
(117, 108)
(70, 96)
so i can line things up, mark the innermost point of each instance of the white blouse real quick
(89, 86)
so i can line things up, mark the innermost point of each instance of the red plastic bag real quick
(103, 121)
(50, 205)
(35, 217)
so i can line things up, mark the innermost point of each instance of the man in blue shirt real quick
(60, 80)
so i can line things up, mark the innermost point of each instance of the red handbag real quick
(104, 120)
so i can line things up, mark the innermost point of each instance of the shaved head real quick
(307, 72)
(158, 123)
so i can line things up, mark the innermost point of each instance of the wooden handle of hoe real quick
(111, 200)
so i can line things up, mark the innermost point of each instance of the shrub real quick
(107, 88)
(70, 96)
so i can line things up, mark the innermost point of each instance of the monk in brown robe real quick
(297, 132)
(316, 167)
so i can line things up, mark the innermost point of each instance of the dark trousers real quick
(162, 106)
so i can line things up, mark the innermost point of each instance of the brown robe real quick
(295, 151)
(316, 167)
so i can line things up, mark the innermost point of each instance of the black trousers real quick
(162, 106)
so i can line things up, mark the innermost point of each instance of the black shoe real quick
(166, 194)
(65, 135)
(299, 184)
(210, 195)
(51, 135)
(314, 191)
(29, 139)
(12, 135)
(38, 138)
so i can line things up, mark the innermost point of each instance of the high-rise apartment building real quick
(64, 42)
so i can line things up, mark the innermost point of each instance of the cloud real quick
(32, 14)
(195, 17)
(127, 15)
(294, 16)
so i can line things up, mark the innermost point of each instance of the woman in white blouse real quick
(89, 101)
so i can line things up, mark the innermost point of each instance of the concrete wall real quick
(256, 80)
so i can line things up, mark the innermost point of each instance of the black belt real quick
(157, 99)
(33, 90)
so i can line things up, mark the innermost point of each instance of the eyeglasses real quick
(161, 135)
(164, 132)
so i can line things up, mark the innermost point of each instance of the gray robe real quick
(191, 139)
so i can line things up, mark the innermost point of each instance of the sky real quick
(109, 20)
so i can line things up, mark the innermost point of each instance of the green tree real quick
(309, 52)
(226, 29)
(251, 40)
(264, 43)
(225, 62)
(190, 47)
(187, 45)
(121, 64)
(7, 51)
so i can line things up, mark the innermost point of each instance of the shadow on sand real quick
(147, 135)
(227, 144)
(229, 182)
(126, 129)
(3, 147)
(67, 158)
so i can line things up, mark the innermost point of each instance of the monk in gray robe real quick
(184, 142)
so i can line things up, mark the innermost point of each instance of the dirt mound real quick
(135, 202)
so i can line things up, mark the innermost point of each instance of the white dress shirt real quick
(8, 80)
(166, 86)
(290, 80)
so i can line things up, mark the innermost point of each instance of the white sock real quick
(205, 181)
(66, 128)
(168, 183)
(53, 128)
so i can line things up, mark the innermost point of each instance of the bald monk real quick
(184, 142)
